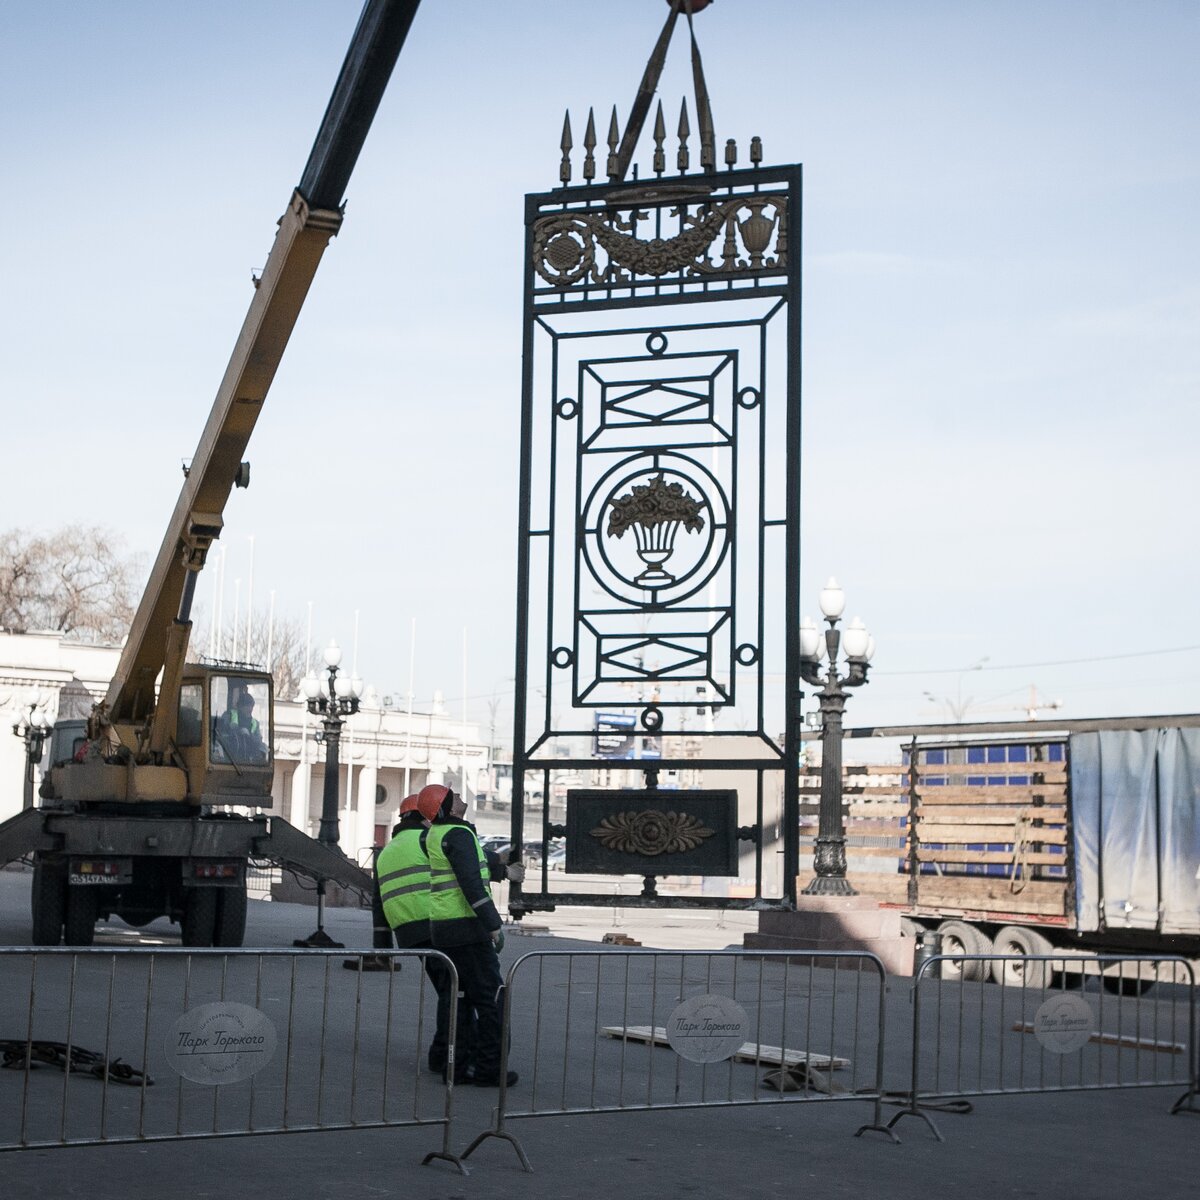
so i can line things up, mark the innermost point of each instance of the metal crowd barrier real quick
(1068, 1023)
(626, 1030)
(112, 1045)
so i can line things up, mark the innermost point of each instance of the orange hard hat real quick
(408, 804)
(430, 800)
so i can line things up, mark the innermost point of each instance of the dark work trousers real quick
(443, 985)
(435, 969)
(479, 980)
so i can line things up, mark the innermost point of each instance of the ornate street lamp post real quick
(33, 728)
(333, 699)
(829, 857)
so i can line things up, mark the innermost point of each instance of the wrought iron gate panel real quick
(659, 539)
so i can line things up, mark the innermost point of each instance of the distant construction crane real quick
(958, 707)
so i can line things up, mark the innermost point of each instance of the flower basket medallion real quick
(654, 513)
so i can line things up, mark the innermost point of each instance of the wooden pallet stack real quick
(983, 838)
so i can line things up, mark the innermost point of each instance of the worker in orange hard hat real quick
(465, 926)
(382, 937)
(402, 875)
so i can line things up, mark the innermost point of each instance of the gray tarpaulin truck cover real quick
(1135, 805)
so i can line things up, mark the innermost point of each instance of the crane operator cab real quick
(217, 750)
(237, 728)
(225, 736)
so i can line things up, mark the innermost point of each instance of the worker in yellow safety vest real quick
(402, 878)
(465, 926)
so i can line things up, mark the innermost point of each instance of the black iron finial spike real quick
(660, 133)
(683, 159)
(589, 147)
(756, 150)
(564, 169)
(708, 147)
(730, 153)
(614, 136)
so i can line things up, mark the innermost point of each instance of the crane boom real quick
(158, 636)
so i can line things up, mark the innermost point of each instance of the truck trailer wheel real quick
(1123, 983)
(230, 928)
(48, 903)
(960, 938)
(1015, 939)
(199, 916)
(82, 910)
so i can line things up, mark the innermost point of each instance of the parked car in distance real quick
(498, 844)
(533, 854)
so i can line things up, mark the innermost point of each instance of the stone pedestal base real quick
(836, 923)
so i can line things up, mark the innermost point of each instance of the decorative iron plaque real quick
(659, 546)
(637, 831)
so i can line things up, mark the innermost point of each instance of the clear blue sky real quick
(1002, 298)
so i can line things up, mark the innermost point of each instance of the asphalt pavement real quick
(1090, 1145)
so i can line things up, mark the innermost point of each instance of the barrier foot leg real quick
(506, 1137)
(447, 1157)
(916, 1112)
(1186, 1103)
(884, 1129)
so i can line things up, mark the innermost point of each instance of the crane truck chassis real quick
(143, 810)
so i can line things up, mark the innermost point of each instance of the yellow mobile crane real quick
(135, 817)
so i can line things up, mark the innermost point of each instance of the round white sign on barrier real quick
(707, 1029)
(1064, 1023)
(224, 1042)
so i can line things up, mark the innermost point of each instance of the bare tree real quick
(283, 641)
(77, 581)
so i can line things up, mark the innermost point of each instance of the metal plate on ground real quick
(751, 1052)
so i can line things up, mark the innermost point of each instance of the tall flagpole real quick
(271, 634)
(221, 606)
(412, 656)
(213, 618)
(464, 717)
(237, 619)
(249, 604)
(304, 710)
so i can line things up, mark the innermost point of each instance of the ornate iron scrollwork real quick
(651, 832)
(565, 244)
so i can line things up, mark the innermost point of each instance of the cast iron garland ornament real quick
(654, 511)
(651, 832)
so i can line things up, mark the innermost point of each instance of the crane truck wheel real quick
(82, 911)
(960, 938)
(230, 927)
(1017, 940)
(198, 924)
(48, 903)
